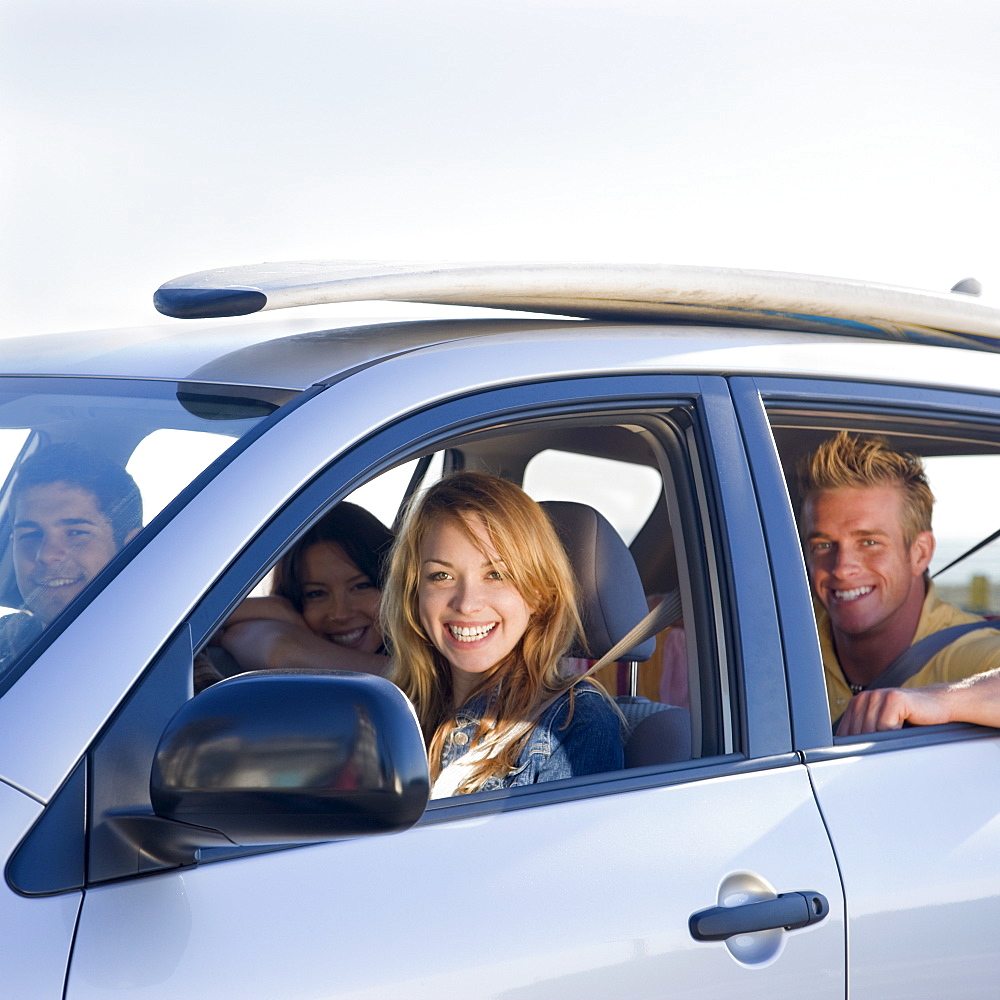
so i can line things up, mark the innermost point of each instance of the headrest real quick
(612, 600)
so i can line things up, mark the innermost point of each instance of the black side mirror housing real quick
(280, 757)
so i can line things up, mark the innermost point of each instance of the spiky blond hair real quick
(859, 460)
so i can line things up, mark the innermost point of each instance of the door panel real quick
(583, 898)
(912, 816)
(917, 834)
(554, 894)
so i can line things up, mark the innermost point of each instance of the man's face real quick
(61, 542)
(860, 568)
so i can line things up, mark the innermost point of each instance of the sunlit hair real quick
(862, 460)
(535, 562)
(363, 537)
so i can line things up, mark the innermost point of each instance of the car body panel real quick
(583, 887)
(38, 932)
(585, 897)
(917, 835)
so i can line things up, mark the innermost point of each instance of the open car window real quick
(961, 459)
(635, 469)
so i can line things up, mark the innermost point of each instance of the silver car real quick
(271, 836)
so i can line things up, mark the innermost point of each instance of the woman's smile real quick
(339, 602)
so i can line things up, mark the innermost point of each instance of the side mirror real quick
(279, 757)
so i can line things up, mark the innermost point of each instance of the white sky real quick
(144, 139)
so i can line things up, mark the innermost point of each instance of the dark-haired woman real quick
(323, 612)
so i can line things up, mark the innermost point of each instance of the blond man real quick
(866, 531)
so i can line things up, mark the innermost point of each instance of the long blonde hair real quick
(536, 564)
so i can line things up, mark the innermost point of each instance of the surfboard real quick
(626, 292)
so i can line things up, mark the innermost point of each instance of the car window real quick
(385, 495)
(650, 492)
(961, 459)
(166, 460)
(86, 464)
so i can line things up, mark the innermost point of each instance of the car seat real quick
(612, 602)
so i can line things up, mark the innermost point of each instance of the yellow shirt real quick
(967, 655)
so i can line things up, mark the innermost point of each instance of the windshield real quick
(85, 465)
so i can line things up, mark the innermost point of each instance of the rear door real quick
(913, 815)
(584, 887)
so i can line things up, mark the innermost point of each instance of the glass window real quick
(85, 464)
(625, 493)
(165, 461)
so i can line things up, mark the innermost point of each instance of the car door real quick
(584, 887)
(912, 815)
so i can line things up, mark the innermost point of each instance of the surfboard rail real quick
(616, 292)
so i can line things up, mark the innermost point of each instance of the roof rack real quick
(598, 291)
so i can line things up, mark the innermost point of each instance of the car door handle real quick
(789, 910)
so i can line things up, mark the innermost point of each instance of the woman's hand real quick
(268, 644)
(275, 609)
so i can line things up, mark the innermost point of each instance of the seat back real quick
(612, 602)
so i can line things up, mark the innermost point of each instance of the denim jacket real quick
(591, 743)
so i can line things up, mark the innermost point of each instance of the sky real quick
(141, 140)
(146, 140)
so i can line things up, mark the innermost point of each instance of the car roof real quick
(289, 352)
(680, 308)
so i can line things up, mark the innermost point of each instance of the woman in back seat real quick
(323, 612)
(480, 607)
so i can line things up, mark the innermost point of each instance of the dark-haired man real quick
(71, 512)
(866, 530)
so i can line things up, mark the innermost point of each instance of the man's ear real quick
(130, 536)
(921, 552)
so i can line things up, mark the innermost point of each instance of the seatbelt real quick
(912, 660)
(968, 552)
(665, 613)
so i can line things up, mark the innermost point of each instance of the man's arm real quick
(975, 699)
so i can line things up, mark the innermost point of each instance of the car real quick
(272, 836)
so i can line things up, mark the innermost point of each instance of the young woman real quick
(324, 610)
(480, 607)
